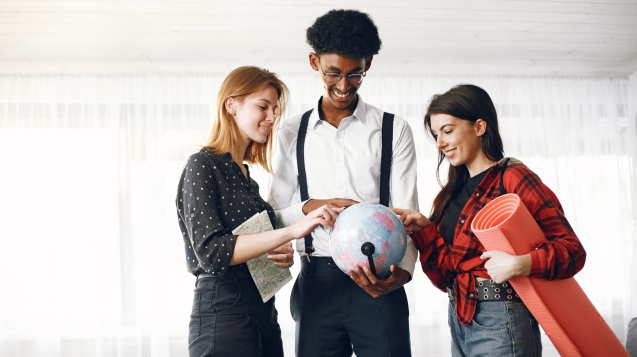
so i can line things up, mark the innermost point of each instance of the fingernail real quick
(366, 270)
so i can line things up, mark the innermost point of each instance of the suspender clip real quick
(309, 250)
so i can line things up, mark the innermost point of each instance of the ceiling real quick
(503, 37)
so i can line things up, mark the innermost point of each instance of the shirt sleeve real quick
(212, 243)
(283, 194)
(435, 256)
(403, 185)
(562, 255)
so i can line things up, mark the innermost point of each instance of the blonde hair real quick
(224, 137)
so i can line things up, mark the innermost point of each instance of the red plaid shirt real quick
(559, 258)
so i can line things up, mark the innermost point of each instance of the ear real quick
(230, 105)
(368, 63)
(480, 127)
(314, 61)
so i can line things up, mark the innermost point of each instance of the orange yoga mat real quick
(560, 306)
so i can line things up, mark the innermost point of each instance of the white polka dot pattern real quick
(213, 198)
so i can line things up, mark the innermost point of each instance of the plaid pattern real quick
(559, 258)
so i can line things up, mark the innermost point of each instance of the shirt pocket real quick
(367, 178)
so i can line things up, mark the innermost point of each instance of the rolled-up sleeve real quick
(403, 183)
(212, 243)
(562, 255)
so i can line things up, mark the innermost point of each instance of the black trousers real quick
(229, 319)
(334, 315)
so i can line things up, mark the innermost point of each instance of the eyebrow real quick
(443, 127)
(267, 101)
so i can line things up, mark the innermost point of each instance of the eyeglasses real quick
(333, 78)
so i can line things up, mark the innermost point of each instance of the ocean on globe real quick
(368, 222)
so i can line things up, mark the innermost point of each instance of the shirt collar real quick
(360, 112)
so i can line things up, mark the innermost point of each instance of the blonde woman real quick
(215, 195)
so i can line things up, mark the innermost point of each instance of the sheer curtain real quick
(91, 262)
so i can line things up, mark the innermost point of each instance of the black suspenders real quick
(385, 164)
(300, 163)
(385, 158)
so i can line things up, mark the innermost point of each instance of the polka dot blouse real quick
(213, 199)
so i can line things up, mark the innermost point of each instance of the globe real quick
(368, 232)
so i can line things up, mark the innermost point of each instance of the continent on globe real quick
(373, 223)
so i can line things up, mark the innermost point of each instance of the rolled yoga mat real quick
(560, 306)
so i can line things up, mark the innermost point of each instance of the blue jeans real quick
(229, 318)
(498, 329)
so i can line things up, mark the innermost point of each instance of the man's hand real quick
(375, 287)
(502, 266)
(283, 256)
(333, 203)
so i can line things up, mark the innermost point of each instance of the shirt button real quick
(462, 221)
(251, 190)
(478, 194)
(471, 294)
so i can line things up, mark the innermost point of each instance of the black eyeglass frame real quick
(340, 76)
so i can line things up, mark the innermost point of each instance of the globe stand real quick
(368, 249)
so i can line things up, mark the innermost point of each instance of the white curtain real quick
(91, 258)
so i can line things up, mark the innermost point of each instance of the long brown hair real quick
(467, 102)
(240, 83)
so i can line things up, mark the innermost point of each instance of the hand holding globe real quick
(368, 235)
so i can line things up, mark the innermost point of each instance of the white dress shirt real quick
(343, 162)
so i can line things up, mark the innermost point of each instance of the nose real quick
(343, 85)
(440, 144)
(271, 116)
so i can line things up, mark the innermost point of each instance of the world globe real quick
(368, 232)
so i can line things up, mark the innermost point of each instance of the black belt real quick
(489, 290)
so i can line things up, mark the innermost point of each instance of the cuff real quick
(293, 214)
(538, 262)
(218, 262)
(422, 238)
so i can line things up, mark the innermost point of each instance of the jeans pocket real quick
(226, 294)
(194, 328)
(491, 316)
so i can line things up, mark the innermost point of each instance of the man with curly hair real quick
(342, 152)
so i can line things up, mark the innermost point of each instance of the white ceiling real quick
(506, 37)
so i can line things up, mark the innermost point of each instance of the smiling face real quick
(254, 114)
(460, 140)
(341, 95)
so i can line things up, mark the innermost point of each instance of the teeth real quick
(340, 95)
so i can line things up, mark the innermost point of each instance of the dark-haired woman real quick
(494, 322)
